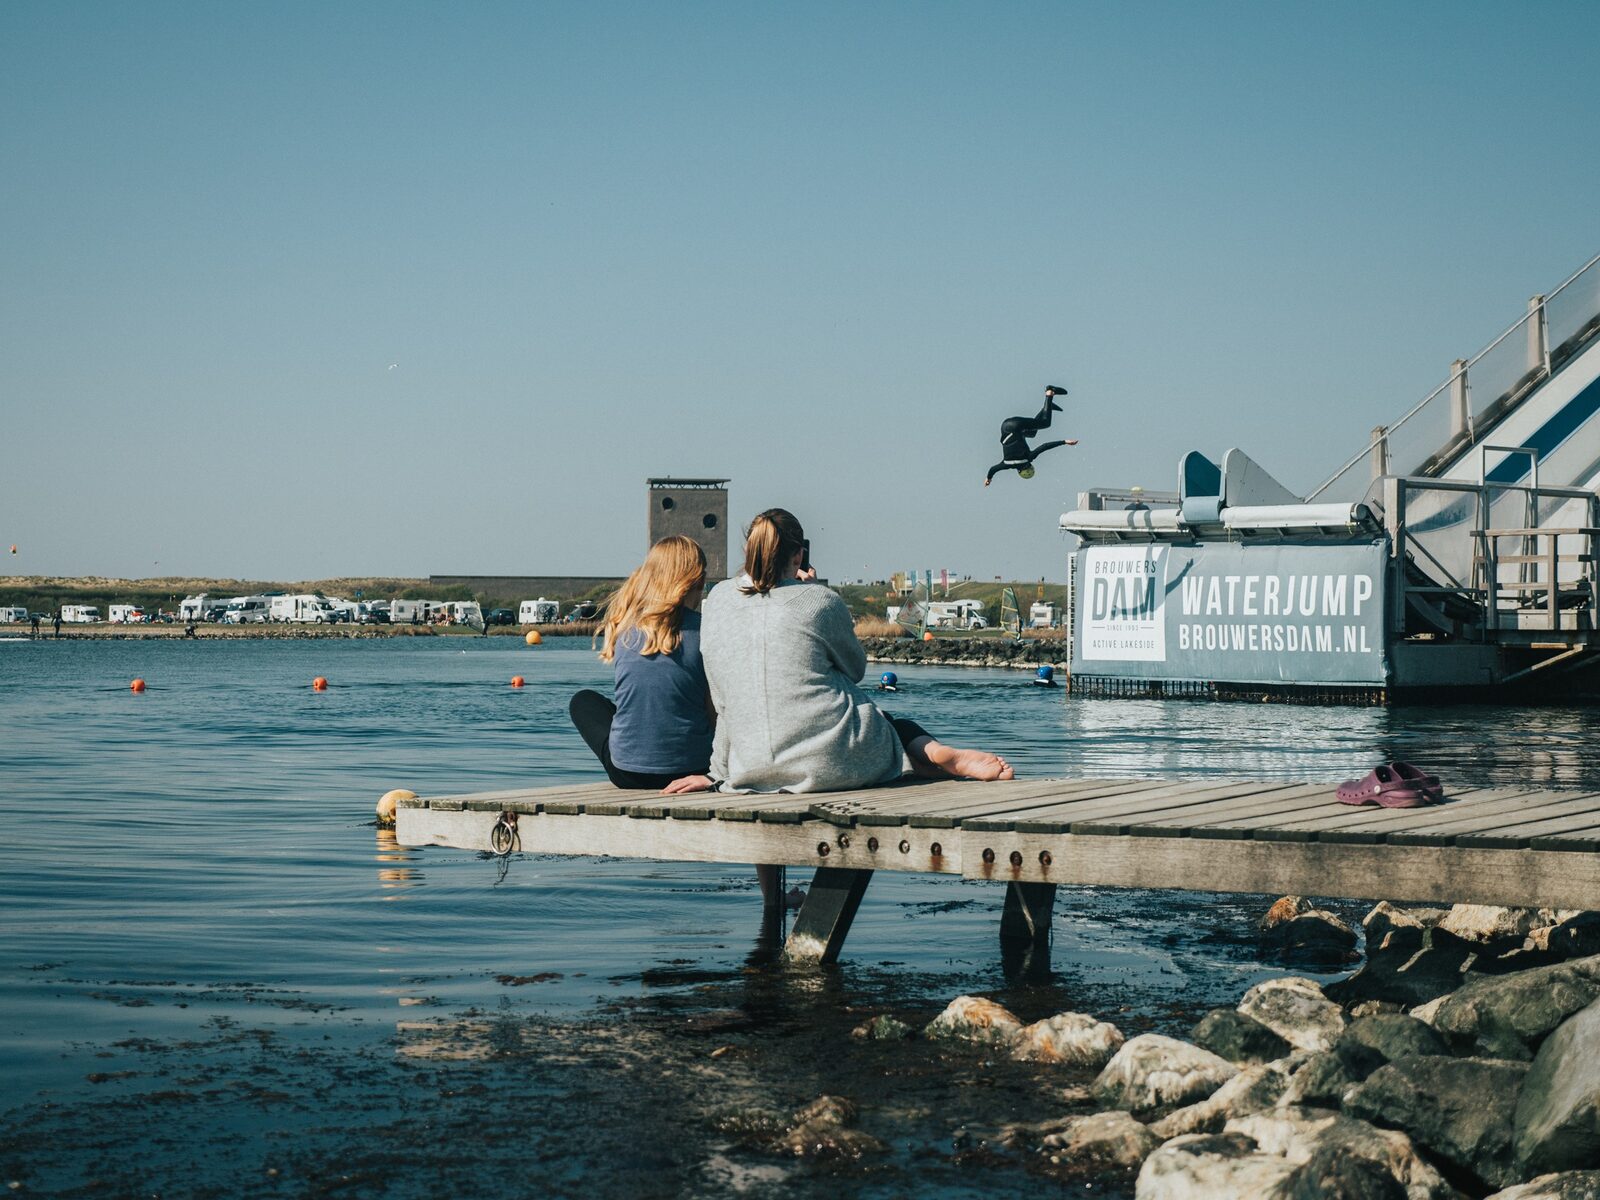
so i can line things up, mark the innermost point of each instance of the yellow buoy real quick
(389, 801)
(533, 638)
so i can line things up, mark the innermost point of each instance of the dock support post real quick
(771, 880)
(1025, 929)
(825, 918)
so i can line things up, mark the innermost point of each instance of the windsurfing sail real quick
(1010, 613)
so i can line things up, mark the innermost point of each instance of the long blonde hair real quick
(651, 599)
(768, 548)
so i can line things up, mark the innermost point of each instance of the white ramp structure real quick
(1454, 553)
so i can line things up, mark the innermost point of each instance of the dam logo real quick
(1122, 596)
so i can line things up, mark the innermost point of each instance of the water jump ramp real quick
(1453, 556)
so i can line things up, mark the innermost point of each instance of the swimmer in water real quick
(888, 682)
(1016, 454)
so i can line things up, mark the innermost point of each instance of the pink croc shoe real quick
(1419, 780)
(1382, 787)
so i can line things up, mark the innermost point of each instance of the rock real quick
(1567, 1185)
(1426, 1012)
(1487, 923)
(1106, 1141)
(1578, 936)
(1371, 1008)
(1369, 1042)
(1508, 1016)
(1152, 1073)
(1209, 1166)
(1071, 1038)
(1459, 1110)
(1557, 1125)
(1294, 928)
(1321, 1083)
(822, 1130)
(1297, 1011)
(1227, 1032)
(1316, 1141)
(1409, 964)
(883, 1028)
(1251, 1090)
(974, 1019)
(1284, 908)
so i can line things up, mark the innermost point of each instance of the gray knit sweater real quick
(783, 670)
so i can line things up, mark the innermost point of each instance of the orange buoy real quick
(517, 681)
(319, 684)
(928, 636)
(533, 638)
(389, 801)
(136, 686)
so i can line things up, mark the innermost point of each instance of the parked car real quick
(373, 616)
(500, 616)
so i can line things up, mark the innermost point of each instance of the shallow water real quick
(218, 978)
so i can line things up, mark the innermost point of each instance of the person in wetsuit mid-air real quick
(1016, 454)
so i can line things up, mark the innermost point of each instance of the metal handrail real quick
(1389, 430)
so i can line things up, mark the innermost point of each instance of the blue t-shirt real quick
(661, 726)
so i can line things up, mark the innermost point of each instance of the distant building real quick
(696, 508)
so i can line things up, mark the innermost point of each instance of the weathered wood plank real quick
(1144, 803)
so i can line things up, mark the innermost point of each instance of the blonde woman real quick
(783, 663)
(659, 729)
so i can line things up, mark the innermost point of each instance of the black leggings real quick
(1015, 432)
(908, 730)
(592, 714)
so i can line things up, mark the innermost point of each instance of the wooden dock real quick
(1514, 846)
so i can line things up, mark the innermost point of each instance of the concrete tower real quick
(696, 508)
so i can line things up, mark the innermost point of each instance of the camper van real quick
(538, 612)
(956, 614)
(246, 610)
(79, 614)
(1044, 615)
(13, 616)
(126, 614)
(466, 612)
(407, 612)
(302, 607)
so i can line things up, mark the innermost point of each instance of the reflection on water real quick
(194, 939)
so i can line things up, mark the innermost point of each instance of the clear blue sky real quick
(292, 290)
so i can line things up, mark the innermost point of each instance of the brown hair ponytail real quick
(773, 538)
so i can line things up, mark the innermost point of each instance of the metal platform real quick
(1514, 846)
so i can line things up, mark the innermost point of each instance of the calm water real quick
(218, 978)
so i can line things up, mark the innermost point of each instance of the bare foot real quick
(965, 764)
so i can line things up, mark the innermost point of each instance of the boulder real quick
(1292, 927)
(1487, 923)
(1152, 1073)
(1578, 936)
(1426, 1012)
(1508, 1016)
(822, 1130)
(883, 1028)
(1321, 1083)
(1297, 1011)
(1566, 1185)
(1251, 1090)
(1409, 964)
(974, 1019)
(1227, 1032)
(1459, 1110)
(1105, 1141)
(1557, 1125)
(1205, 1166)
(1071, 1038)
(1369, 1042)
(1316, 1141)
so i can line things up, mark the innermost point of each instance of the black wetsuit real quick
(1014, 435)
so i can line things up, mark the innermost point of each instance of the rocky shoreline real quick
(1024, 653)
(268, 632)
(1462, 1059)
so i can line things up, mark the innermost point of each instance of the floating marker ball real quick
(390, 801)
(533, 638)
(136, 686)
(517, 681)
(1025, 472)
(928, 636)
(889, 679)
(319, 684)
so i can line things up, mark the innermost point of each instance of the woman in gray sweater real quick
(783, 663)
